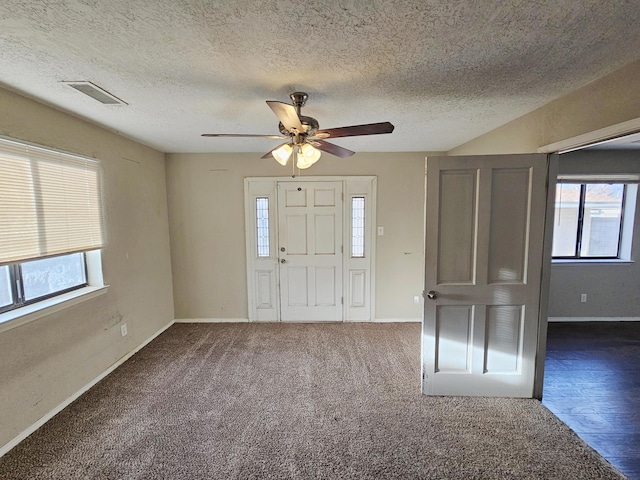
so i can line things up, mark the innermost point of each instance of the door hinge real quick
(342, 300)
(341, 248)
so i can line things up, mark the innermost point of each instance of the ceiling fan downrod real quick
(299, 100)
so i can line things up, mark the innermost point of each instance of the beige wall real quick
(206, 213)
(611, 100)
(44, 362)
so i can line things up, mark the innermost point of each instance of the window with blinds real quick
(50, 203)
(51, 216)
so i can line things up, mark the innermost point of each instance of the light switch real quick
(380, 231)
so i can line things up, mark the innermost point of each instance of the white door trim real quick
(592, 138)
(263, 273)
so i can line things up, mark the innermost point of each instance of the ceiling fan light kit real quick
(307, 156)
(282, 153)
(305, 138)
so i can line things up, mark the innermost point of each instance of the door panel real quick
(265, 289)
(310, 248)
(457, 239)
(296, 234)
(296, 285)
(504, 339)
(324, 288)
(454, 327)
(508, 229)
(484, 238)
(325, 235)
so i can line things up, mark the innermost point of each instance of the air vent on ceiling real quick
(97, 93)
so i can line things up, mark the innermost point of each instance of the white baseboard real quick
(594, 319)
(48, 416)
(397, 320)
(245, 320)
(211, 320)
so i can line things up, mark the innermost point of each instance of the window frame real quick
(17, 285)
(577, 257)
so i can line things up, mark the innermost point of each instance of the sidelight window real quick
(357, 227)
(262, 226)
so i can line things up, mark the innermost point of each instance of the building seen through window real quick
(588, 220)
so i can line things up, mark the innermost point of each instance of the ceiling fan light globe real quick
(302, 163)
(282, 154)
(307, 156)
(310, 154)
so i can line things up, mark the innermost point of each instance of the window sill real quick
(600, 261)
(29, 313)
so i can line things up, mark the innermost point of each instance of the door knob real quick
(283, 261)
(432, 294)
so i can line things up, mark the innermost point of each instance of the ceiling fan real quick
(303, 135)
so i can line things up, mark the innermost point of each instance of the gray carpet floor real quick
(299, 401)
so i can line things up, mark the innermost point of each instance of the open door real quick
(485, 219)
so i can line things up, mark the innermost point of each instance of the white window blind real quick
(50, 203)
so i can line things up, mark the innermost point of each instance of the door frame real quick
(545, 278)
(263, 274)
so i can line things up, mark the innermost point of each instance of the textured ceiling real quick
(443, 72)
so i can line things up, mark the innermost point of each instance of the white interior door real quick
(310, 250)
(485, 220)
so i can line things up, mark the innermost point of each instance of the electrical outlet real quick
(583, 298)
(123, 329)
(416, 299)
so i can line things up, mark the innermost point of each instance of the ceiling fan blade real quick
(332, 149)
(355, 130)
(287, 115)
(236, 135)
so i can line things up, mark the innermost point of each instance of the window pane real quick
(357, 227)
(5, 287)
(601, 223)
(50, 275)
(565, 228)
(262, 226)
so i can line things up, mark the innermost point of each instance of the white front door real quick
(485, 220)
(310, 250)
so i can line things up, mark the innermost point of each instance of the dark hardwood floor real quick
(592, 383)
